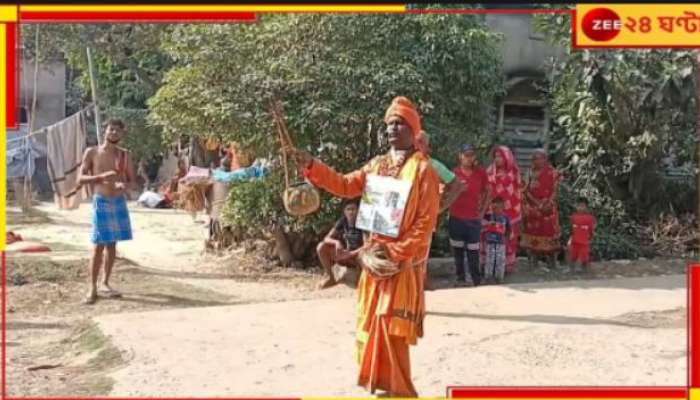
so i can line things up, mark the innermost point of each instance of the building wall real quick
(51, 91)
(525, 55)
(50, 108)
(524, 50)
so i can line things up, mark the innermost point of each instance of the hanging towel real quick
(66, 142)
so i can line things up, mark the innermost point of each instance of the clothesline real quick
(127, 109)
(45, 129)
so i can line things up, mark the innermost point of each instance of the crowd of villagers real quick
(492, 211)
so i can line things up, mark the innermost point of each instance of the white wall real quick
(524, 50)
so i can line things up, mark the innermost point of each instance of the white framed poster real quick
(383, 203)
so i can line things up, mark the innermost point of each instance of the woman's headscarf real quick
(542, 152)
(510, 183)
(543, 184)
(510, 166)
(547, 165)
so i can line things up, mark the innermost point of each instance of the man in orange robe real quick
(391, 308)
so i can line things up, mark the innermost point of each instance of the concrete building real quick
(51, 92)
(50, 108)
(522, 116)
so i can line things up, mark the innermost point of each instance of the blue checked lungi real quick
(110, 219)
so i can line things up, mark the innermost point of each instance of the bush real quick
(615, 235)
(335, 74)
(620, 116)
(608, 244)
(254, 207)
(145, 142)
(682, 196)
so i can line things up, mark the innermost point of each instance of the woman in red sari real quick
(541, 233)
(505, 182)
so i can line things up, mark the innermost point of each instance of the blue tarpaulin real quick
(22, 150)
(240, 175)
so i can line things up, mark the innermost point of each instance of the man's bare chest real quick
(104, 162)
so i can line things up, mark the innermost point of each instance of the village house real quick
(522, 116)
(50, 108)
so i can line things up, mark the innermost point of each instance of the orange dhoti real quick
(391, 310)
(390, 318)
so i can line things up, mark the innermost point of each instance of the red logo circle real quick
(601, 24)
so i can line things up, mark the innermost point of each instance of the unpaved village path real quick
(279, 338)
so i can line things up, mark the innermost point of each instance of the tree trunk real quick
(282, 247)
(302, 244)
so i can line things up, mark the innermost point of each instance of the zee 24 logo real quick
(604, 24)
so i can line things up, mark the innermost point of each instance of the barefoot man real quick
(341, 245)
(391, 303)
(109, 169)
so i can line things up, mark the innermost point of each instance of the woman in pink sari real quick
(505, 182)
(541, 232)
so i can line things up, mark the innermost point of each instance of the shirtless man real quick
(109, 169)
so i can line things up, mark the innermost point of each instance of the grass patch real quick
(32, 216)
(88, 339)
(39, 269)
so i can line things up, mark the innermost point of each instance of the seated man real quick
(341, 244)
(170, 188)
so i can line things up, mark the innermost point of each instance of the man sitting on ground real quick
(341, 244)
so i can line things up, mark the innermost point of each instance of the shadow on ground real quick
(539, 319)
(615, 275)
(16, 325)
(169, 300)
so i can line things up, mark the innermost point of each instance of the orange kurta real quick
(391, 311)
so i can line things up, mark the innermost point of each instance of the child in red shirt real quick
(582, 228)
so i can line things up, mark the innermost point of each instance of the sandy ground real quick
(220, 327)
(628, 333)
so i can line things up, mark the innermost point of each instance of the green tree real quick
(621, 117)
(134, 48)
(336, 75)
(129, 65)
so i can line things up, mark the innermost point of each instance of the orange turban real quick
(402, 107)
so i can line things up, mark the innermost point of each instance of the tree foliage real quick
(128, 55)
(336, 75)
(128, 62)
(622, 118)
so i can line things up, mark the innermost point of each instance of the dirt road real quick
(628, 332)
(220, 327)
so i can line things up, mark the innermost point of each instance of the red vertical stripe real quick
(572, 20)
(11, 75)
(694, 325)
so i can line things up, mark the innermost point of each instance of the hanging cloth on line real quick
(66, 143)
(22, 150)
